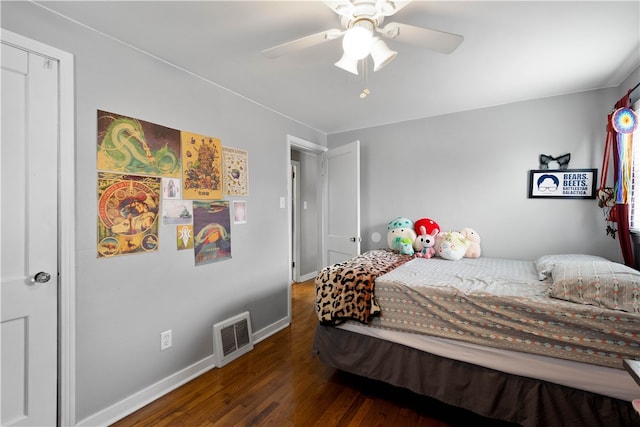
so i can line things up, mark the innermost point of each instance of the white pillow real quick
(545, 264)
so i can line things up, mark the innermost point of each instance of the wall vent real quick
(232, 338)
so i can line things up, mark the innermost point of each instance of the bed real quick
(536, 343)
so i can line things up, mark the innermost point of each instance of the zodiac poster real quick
(128, 145)
(236, 171)
(202, 171)
(127, 214)
(212, 231)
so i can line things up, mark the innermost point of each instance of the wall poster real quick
(129, 145)
(563, 184)
(212, 231)
(202, 168)
(177, 211)
(236, 171)
(184, 237)
(127, 214)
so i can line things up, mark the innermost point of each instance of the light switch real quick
(283, 203)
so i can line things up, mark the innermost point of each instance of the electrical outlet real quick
(165, 340)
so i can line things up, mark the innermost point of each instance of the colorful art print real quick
(177, 212)
(128, 208)
(202, 171)
(128, 145)
(236, 171)
(563, 184)
(184, 237)
(171, 188)
(212, 231)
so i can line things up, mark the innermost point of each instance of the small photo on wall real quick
(239, 212)
(171, 188)
(177, 212)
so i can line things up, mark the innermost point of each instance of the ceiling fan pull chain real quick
(365, 91)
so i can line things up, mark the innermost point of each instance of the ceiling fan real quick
(361, 20)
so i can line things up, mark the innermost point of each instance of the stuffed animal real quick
(406, 246)
(399, 229)
(473, 251)
(424, 243)
(451, 245)
(430, 226)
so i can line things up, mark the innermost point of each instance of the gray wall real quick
(124, 303)
(470, 169)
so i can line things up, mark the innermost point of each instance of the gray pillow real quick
(599, 283)
(545, 263)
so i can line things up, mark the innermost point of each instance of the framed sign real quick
(563, 184)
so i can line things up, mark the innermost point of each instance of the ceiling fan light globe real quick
(381, 54)
(348, 63)
(357, 42)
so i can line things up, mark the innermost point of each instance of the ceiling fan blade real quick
(302, 43)
(439, 41)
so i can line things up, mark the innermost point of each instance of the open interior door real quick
(341, 171)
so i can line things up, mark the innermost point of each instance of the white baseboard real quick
(266, 332)
(308, 276)
(147, 395)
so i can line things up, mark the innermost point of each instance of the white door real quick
(341, 169)
(29, 250)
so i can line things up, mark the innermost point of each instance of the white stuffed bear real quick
(451, 245)
(473, 251)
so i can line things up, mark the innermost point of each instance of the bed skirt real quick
(487, 392)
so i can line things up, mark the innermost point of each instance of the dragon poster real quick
(127, 214)
(236, 171)
(129, 145)
(212, 231)
(202, 168)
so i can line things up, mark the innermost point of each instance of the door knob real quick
(352, 239)
(42, 277)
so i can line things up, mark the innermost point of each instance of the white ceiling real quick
(512, 51)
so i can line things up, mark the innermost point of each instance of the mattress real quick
(602, 380)
(502, 304)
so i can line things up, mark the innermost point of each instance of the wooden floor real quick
(280, 383)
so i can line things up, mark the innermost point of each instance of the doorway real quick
(306, 206)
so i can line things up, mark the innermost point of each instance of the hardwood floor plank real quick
(281, 383)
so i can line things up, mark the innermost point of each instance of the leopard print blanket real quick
(344, 291)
